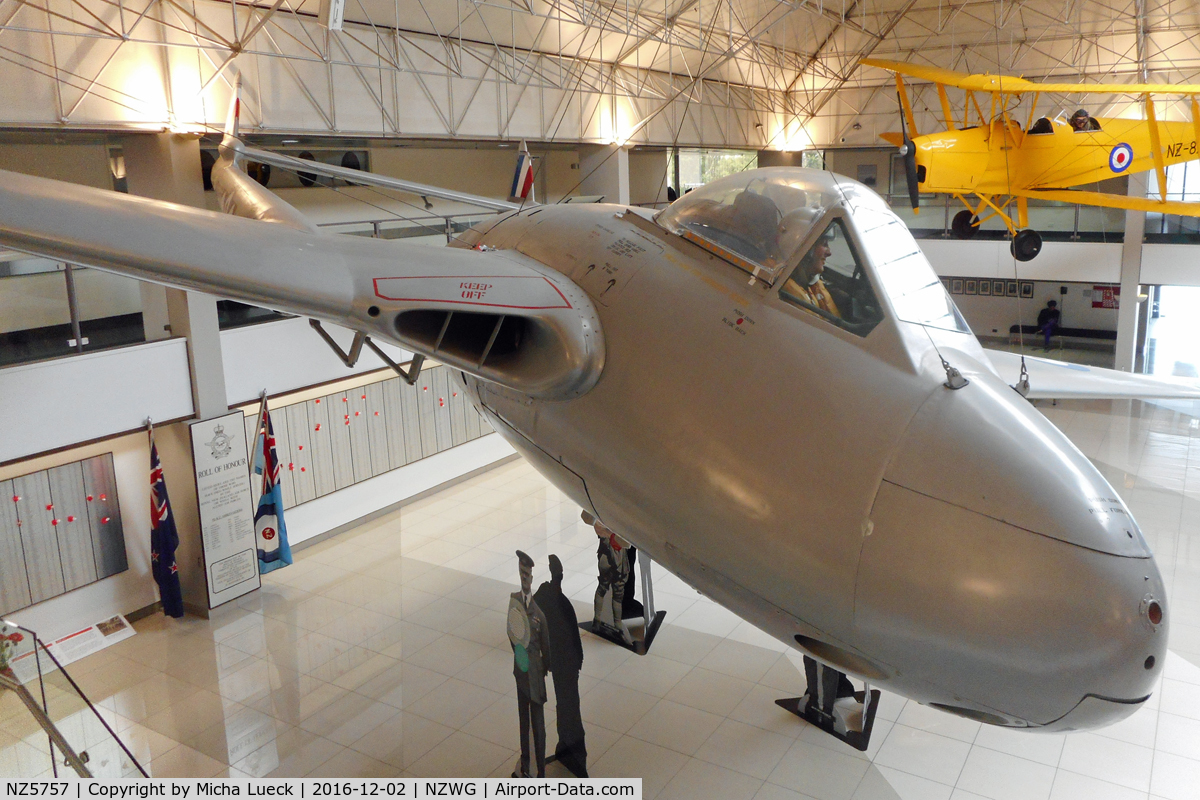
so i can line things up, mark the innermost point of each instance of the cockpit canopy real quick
(764, 222)
(756, 219)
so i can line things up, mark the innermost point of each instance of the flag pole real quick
(260, 431)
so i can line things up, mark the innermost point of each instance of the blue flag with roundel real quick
(164, 538)
(269, 528)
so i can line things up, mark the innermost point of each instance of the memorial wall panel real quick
(14, 584)
(104, 515)
(320, 418)
(347, 437)
(360, 437)
(70, 523)
(376, 429)
(59, 529)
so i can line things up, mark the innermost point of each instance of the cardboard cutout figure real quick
(612, 556)
(566, 659)
(527, 633)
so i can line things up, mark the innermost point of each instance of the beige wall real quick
(40, 300)
(646, 171)
(561, 175)
(484, 171)
(846, 162)
(77, 163)
(778, 158)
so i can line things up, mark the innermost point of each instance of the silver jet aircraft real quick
(765, 387)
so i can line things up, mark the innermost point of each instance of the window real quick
(829, 280)
(916, 293)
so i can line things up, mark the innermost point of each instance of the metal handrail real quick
(9, 680)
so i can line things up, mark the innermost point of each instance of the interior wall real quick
(992, 316)
(848, 160)
(560, 174)
(40, 300)
(135, 588)
(779, 158)
(121, 593)
(85, 164)
(647, 169)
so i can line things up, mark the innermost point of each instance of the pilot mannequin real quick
(805, 283)
(1082, 121)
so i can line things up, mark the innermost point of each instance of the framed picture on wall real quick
(971, 286)
(956, 286)
(1027, 289)
(1010, 288)
(985, 287)
(998, 288)
(946, 283)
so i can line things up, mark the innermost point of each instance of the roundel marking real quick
(1120, 158)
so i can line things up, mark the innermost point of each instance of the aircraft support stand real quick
(831, 704)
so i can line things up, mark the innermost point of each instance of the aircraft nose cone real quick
(985, 448)
(1002, 574)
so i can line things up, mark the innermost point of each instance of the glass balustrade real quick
(48, 726)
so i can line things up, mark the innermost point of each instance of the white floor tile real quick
(344, 666)
(1073, 786)
(819, 772)
(923, 754)
(1000, 776)
(1108, 759)
(903, 785)
(1175, 777)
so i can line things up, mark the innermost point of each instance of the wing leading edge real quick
(1011, 84)
(497, 315)
(1059, 380)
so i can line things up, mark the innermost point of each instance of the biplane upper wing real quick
(1011, 84)
(1105, 200)
(1059, 380)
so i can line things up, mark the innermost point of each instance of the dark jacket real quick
(1048, 315)
(566, 651)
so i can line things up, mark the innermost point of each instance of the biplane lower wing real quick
(1112, 201)
(1059, 380)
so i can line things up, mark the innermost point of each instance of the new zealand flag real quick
(163, 540)
(271, 532)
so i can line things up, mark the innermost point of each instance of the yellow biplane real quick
(1003, 164)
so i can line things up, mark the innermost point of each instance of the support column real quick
(1131, 275)
(166, 166)
(606, 171)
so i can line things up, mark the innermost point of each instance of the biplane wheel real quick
(1026, 245)
(965, 224)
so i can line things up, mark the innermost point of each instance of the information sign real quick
(226, 507)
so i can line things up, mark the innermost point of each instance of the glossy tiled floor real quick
(383, 653)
